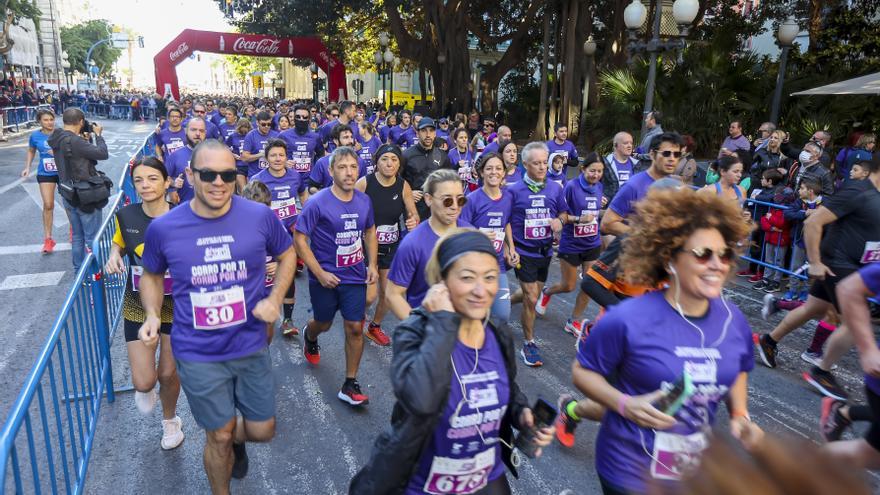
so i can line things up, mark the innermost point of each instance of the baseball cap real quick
(426, 122)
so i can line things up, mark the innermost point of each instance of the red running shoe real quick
(48, 245)
(565, 424)
(374, 332)
(311, 350)
(350, 393)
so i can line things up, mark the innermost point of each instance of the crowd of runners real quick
(398, 212)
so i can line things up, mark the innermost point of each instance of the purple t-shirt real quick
(368, 149)
(170, 141)
(255, 143)
(557, 176)
(532, 214)
(567, 148)
(490, 216)
(219, 271)
(235, 141)
(302, 149)
(463, 162)
(384, 131)
(408, 265)
(227, 130)
(466, 459)
(336, 231)
(646, 344)
(581, 198)
(403, 137)
(871, 277)
(285, 191)
(624, 169)
(176, 165)
(326, 132)
(631, 192)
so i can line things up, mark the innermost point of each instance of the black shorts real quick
(532, 270)
(47, 179)
(132, 328)
(578, 259)
(386, 255)
(872, 436)
(825, 289)
(242, 170)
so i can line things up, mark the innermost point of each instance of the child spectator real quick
(556, 171)
(770, 180)
(810, 197)
(777, 238)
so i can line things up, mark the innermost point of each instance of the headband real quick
(457, 245)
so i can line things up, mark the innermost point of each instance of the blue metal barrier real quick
(17, 117)
(46, 444)
(781, 265)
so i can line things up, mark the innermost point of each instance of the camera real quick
(87, 127)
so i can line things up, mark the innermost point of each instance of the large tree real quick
(14, 11)
(78, 38)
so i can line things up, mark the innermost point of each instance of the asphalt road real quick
(321, 442)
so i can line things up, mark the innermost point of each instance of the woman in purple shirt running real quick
(676, 354)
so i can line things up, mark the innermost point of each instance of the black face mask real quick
(301, 126)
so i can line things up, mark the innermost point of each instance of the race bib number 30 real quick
(537, 228)
(219, 309)
(460, 476)
(349, 255)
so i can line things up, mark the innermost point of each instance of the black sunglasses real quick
(704, 254)
(667, 153)
(227, 176)
(264, 124)
(300, 117)
(449, 201)
(489, 124)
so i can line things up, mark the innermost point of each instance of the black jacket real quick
(75, 157)
(420, 375)
(418, 163)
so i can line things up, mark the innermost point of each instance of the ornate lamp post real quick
(786, 34)
(590, 52)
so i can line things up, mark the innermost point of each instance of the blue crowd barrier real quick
(779, 265)
(48, 436)
(17, 117)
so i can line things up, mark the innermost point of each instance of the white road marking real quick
(45, 279)
(59, 217)
(11, 185)
(32, 248)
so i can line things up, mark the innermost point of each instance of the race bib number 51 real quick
(218, 309)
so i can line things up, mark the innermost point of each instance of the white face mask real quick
(805, 157)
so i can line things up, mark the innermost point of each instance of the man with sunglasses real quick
(485, 136)
(252, 151)
(539, 210)
(215, 247)
(336, 238)
(422, 159)
(665, 155)
(303, 145)
(176, 164)
(764, 132)
(213, 115)
(403, 134)
(211, 130)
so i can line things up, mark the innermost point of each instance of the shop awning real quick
(864, 85)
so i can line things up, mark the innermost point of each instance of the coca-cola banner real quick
(256, 45)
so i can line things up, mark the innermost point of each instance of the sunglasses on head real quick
(449, 201)
(704, 254)
(667, 153)
(227, 176)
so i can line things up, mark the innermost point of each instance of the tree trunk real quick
(554, 62)
(571, 67)
(423, 82)
(540, 131)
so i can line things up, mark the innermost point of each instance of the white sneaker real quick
(146, 401)
(815, 359)
(172, 433)
(542, 303)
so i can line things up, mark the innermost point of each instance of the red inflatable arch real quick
(256, 45)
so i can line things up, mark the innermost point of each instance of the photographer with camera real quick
(84, 190)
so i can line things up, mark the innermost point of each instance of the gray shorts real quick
(216, 389)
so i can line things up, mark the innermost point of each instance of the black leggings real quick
(609, 489)
(598, 292)
(498, 486)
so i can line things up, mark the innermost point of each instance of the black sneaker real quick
(311, 349)
(240, 462)
(760, 285)
(351, 393)
(767, 351)
(771, 287)
(832, 424)
(824, 382)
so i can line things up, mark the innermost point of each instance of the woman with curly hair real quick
(676, 353)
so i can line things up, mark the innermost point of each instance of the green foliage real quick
(77, 39)
(21, 9)
(519, 94)
(242, 66)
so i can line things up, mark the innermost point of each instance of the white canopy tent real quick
(864, 85)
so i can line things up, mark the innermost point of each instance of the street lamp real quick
(590, 52)
(634, 16)
(314, 70)
(383, 57)
(786, 34)
(272, 74)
